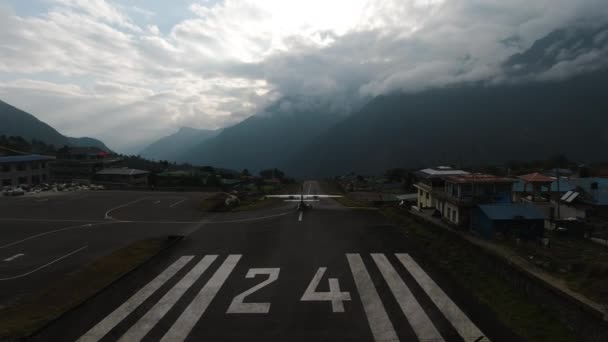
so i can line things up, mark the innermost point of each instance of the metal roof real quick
(123, 172)
(442, 171)
(26, 158)
(536, 178)
(479, 178)
(511, 211)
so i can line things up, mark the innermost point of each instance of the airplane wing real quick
(321, 196)
(305, 197)
(283, 196)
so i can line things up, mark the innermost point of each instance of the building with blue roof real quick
(515, 219)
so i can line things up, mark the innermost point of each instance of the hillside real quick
(466, 125)
(538, 114)
(171, 147)
(261, 141)
(16, 122)
(19, 123)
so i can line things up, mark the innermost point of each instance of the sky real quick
(129, 72)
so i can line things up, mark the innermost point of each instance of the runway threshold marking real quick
(102, 328)
(301, 215)
(151, 318)
(46, 265)
(380, 324)
(377, 318)
(180, 330)
(14, 257)
(415, 315)
(459, 320)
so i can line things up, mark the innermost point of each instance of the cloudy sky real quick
(129, 72)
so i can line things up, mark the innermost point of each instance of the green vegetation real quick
(258, 202)
(332, 188)
(32, 313)
(582, 264)
(215, 203)
(463, 264)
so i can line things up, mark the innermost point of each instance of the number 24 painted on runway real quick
(334, 295)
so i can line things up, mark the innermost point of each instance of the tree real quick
(272, 173)
(245, 173)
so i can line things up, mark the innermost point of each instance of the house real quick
(462, 193)
(28, 169)
(80, 164)
(589, 197)
(430, 179)
(121, 177)
(513, 219)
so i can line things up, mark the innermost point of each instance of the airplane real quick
(303, 200)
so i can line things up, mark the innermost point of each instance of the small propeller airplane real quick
(304, 201)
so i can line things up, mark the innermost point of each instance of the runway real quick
(329, 274)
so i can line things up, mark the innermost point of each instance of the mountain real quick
(479, 123)
(171, 147)
(16, 122)
(262, 141)
(88, 142)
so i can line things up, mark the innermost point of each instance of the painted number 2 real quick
(334, 295)
(237, 305)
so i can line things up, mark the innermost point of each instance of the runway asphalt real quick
(44, 237)
(330, 274)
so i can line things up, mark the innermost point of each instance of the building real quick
(431, 179)
(121, 177)
(588, 198)
(462, 193)
(80, 164)
(516, 220)
(29, 169)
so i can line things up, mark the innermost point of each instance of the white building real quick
(432, 179)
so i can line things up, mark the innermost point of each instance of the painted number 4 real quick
(334, 295)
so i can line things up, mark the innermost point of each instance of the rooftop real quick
(536, 178)
(26, 158)
(511, 211)
(440, 171)
(122, 171)
(476, 178)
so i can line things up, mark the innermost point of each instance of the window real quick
(22, 180)
(7, 182)
(449, 212)
(427, 195)
(454, 216)
(43, 178)
(21, 167)
(6, 167)
(35, 166)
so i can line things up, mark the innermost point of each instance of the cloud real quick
(100, 68)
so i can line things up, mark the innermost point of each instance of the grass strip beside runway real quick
(32, 313)
(462, 263)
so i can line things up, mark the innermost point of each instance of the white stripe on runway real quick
(177, 203)
(195, 310)
(300, 217)
(151, 318)
(420, 322)
(45, 265)
(379, 323)
(102, 328)
(467, 329)
(13, 257)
